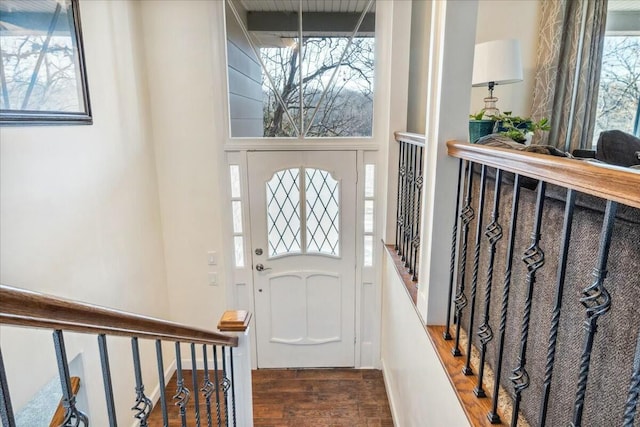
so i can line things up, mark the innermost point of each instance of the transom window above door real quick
(303, 199)
(300, 68)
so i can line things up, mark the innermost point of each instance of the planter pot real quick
(480, 128)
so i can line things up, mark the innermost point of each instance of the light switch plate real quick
(213, 278)
(212, 258)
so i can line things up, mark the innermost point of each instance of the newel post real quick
(236, 322)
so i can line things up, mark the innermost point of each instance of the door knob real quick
(261, 267)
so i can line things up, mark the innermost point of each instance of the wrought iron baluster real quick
(634, 390)
(493, 416)
(163, 394)
(226, 383)
(405, 202)
(217, 383)
(106, 378)
(6, 410)
(73, 417)
(466, 217)
(400, 210)
(194, 382)
(452, 266)
(416, 238)
(555, 317)
(207, 386)
(597, 301)
(233, 387)
(182, 393)
(411, 208)
(476, 264)
(143, 405)
(493, 234)
(534, 260)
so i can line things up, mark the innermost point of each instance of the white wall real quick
(187, 95)
(80, 216)
(499, 19)
(418, 65)
(419, 391)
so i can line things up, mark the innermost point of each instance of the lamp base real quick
(490, 108)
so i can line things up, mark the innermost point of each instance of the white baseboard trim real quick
(388, 386)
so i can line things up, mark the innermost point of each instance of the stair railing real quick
(551, 335)
(410, 183)
(225, 392)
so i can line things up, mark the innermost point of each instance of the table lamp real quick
(496, 62)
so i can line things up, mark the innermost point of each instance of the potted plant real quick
(479, 126)
(518, 128)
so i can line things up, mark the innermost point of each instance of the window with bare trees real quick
(619, 92)
(42, 69)
(300, 73)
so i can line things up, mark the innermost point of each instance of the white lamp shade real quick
(497, 61)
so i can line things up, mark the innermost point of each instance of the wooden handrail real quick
(59, 414)
(601, 180)
(20, 307)
(410, 138)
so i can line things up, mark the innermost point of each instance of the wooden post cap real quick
(234, 321)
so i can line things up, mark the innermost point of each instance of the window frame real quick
(38, 118)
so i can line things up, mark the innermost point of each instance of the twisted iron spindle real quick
(452, 266)
(416, 237)
(634, 390)
(6, 410)
(73, 417)
(217, 383)
(534, 260)
(411, 210)
(194, 383)
(597, 301)
(163, 394)
(493, 416)
(143, 405)
(226, 383)
(233, 387)
(476, 264)
(460, 299)
(106, 378)
(555, 317)
(405, 201)
(493, 234)
(207, 386)
(182, 393)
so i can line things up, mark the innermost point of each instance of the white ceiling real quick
(307, 5)
(29, 5)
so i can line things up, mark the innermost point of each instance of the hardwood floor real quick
(319, 397)
(301, 397)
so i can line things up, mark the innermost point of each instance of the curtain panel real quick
(569, 56)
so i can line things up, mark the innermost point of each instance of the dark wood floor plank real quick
(302, 397)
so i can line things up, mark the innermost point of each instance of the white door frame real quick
(390, 104)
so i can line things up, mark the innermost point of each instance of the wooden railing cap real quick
(411, 138)
(601, 180)
(234, 321)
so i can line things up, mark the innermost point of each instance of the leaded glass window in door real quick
(322, 196)
(318, 215)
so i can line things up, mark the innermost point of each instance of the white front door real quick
(303, 228)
